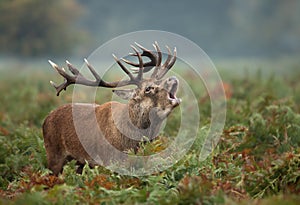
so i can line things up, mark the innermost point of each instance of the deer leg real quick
(55, 164)
(80, 167)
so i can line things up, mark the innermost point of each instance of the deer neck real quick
(139, 117)
(138, 122)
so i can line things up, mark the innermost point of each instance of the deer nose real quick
(172, 78)
(171, 82)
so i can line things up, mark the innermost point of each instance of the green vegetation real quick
(257, 160)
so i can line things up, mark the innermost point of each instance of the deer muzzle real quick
(171, 85)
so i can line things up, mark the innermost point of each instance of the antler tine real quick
(168, 58)
(90, 67)
(80, 79)
(130, 62)
(141, 66)
(123, 67)
(59, 70)
(172, 62)
(158, 53)
(159, 57)
(68, 79)
(168, 64)
(60, 87)
(72, 68)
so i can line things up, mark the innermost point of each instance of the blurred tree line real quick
(37, 27)
(221, 28)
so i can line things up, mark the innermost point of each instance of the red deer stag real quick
(123, 125)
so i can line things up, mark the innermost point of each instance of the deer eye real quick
(148, 89)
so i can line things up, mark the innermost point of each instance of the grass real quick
(257, 160)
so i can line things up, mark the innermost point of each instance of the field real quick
(257, 160)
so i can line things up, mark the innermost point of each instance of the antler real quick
(155, 61)
(78, 78)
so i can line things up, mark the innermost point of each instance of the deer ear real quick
(125, 94)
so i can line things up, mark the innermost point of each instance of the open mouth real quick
(172, 95)
(171, 85)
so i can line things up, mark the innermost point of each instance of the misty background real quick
(223, 29)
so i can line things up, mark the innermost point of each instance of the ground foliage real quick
(257, 160)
